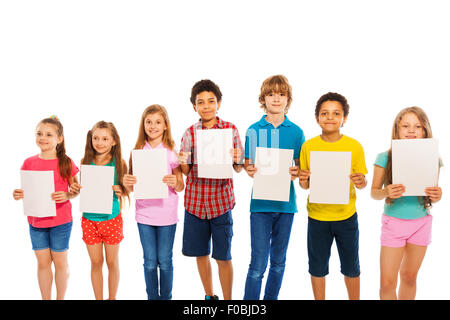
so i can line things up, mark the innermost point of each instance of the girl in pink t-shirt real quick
(157, 218)
(50, 235)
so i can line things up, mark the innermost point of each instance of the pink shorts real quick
(395, 232)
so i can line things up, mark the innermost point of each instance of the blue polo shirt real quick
(286, 136)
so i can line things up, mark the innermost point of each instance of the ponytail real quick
(64, 162)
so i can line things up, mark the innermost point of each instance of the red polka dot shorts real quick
(109, 231)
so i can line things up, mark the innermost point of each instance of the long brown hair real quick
(116, 153)
(421, 115)
(142, 138)
(64, 162)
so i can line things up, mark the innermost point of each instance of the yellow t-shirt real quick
(334, 212)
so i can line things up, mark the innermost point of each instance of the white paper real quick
(96, 194)
(38, 187)
(213, 153)
(329, 180)
(415, 164)
(272, 180)
(150, 167)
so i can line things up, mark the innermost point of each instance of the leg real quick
(45, 274)
(226, 277)
(281, 231)
(112, 261)
(353, 287)
(260, 231)
(147, 236)
(318, 287)
(96, 255)
(196, 243)
(205, 272)
(390, 260)
(61, 273)
(347, 241)
(59, 245)
(221, 234)
(319, 243)
(166, 236)
(412, 260)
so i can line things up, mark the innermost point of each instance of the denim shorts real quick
(55, 238)
(197, 235)
(321, 235)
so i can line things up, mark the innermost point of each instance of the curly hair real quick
(332, 96)
(205, 85)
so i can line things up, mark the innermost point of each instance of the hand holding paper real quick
(39, 187)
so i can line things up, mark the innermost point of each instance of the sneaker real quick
(214, 297)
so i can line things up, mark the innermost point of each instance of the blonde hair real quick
(167, 139)
(275, 84)
(425, 122)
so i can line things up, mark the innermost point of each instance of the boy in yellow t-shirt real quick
(327, 222)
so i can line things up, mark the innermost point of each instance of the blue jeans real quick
(157, 244)
(270, 233)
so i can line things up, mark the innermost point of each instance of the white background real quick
(87, 61)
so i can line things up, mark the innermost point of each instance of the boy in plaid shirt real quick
(208, 202)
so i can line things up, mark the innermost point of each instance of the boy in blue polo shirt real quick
(271, 221)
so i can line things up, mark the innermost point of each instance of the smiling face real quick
(410, 127)
(276, 102)
(47, 137)
(154, 126)
(331, 116)
(206, 105)
(102, 140)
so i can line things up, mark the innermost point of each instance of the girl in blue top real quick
(406, 222)
(104, 230)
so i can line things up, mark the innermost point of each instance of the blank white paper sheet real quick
(150, 167)
(272, 180)
(38, 187)
(96, 194)
(213, 153)
(329, 180)
(415, 164)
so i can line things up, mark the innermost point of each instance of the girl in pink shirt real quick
(157, 218)
(50, 235)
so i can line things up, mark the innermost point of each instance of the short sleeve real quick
(304, 161)
(250, 144)
(299, 145)
(173, 159)
(360, 163)
(237, 144)
(74, 169)
(187, 144)
(381, 160)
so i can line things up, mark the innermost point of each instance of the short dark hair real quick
(205, 85)
(333, 96)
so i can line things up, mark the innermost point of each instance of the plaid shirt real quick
(207, 198)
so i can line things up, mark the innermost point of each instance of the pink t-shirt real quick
(63, 210)
(160, 212)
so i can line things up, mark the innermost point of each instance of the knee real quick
(256, 270)
(165, 262)
(150, 263)
(97, 263)
(388, 284)
(408, 277)
(112, 263)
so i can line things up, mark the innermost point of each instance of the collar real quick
(218, 125)
(148, 146)
(263, 122)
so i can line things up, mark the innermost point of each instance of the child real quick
(208, 202)
(157, 218)
(271, 221)
(327, 222)
(100, 231)
(50, 235)
(406, 222)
